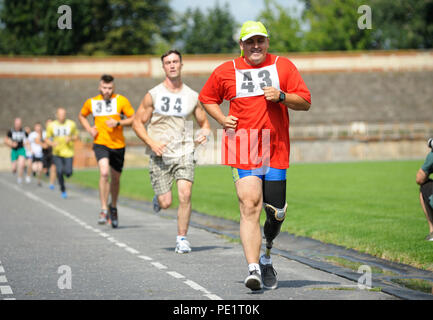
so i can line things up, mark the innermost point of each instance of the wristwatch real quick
(118, 123)
(282, 96)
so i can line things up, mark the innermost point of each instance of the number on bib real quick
(166, 107)
(250, 82)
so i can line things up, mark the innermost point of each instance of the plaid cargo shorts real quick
(163, 174)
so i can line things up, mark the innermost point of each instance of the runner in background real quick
(15, 140)
(29, 157)
(61, 135)
(107, 109)
(35, 140)
(49, 169)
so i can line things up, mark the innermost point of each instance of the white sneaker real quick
(28, 179)
(182, 246)
(19, 180)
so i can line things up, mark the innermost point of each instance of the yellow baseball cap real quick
(250, 29)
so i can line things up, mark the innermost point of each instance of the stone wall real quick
(336, 97)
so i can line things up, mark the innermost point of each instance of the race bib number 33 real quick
(104, 108)
(250, 82)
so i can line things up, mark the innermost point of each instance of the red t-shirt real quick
(262, 132)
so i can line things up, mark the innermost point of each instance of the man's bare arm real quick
(143, 115)
(421, 177)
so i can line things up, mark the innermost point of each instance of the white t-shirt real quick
(171, 120)
(35, 147)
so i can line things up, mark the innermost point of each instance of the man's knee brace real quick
(274, 219)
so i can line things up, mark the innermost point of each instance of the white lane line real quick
(145, 258)
(176, 275)
(6, 290)
(196, 286)
(158, 265)
(213, 296)
(132, 250)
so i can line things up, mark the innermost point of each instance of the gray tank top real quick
(171, 120)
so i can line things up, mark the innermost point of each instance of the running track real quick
(51, 248)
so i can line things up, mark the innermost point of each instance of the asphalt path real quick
(53, 249)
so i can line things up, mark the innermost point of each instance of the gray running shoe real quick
(253, 281)
(102, 217)
(113, 216)
(429, 237)
(269, 276)
(155, 203)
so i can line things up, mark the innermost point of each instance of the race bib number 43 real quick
(104, 108)
(250, 82)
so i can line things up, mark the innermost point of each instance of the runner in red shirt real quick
(260, 87)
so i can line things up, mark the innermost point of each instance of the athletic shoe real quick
(182, 246)
(254, 281)
(269, 276)
(28, 179)
(155, 203)
(64, 195)
(102, 217)
(19, 180)
(113, 216)
(429, 237)
(51, 186)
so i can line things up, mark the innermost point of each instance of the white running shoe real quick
(182, 246)
(19, 180)
(28, 179)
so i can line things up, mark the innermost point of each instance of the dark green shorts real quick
(16, 153)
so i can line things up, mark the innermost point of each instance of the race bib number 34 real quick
(104, 108)
(250, 82)
(171, 105)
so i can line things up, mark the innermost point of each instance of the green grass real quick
(372, 207)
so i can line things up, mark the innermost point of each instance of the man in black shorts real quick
(48, 166)
(108, 142)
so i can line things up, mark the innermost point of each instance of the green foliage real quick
(333, 25)
(117, 27)
(208, 33)
(104, 26)
(284, 30)
(399, 24)
(403, 24)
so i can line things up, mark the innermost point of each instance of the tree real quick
(399, 24)
(98, 27)
(403, 24)
(284, 30)
(208, 33)
(134, 27)
(333, 25)
(30, 27)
